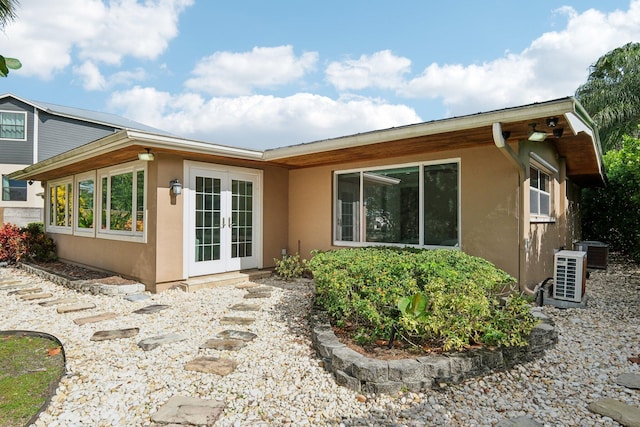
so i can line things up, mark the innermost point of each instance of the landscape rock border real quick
(367, 375)
(87, 286)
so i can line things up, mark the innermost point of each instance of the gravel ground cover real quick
(280, 381)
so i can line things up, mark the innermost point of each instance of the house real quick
(34, 131)
(503, 185)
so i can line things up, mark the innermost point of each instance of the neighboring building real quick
(485, 184)
(31, 132)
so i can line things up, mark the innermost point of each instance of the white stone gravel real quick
(280, 381)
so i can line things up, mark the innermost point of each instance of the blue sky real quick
(264, 74)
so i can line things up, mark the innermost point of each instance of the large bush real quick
(436, 297)
(610, 214)
(26, 244)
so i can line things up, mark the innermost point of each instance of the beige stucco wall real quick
(489, 204)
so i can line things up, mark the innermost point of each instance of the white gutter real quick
(553, 108)
(127, 138)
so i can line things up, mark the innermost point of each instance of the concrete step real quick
(224, 279)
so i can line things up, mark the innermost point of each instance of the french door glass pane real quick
(241, 208)
(441, 205)
(208, 214)
(391, 200)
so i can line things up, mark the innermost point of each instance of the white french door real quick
(224, 212)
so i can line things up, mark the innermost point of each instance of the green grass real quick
(28, 376)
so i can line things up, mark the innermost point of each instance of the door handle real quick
(222, 222)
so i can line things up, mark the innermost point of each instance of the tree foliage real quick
(8, 14)
(611, 213)
(611, 94)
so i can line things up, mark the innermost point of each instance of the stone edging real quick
(363, 374)
(87, 286)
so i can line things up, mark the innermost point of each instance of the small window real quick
(85, 190)
(13, 125)
(60, 200)
(14, 190)
(539, 193)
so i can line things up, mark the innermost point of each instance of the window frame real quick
(361, 215)
(77, 230)
(8, 188)
(542, 167)
(23, 113)
(124, 235)
(50, 225)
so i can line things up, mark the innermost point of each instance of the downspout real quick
(499, 141)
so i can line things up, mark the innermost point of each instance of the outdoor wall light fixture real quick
(506, 134)
(557, 132)
(175, 187)
(146, 157)
(552, 122)
(535, 135)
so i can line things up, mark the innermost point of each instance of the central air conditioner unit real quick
(569, 275)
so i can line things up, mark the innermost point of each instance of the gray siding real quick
(60, 134)
(17, 152)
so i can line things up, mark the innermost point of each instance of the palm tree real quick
(611, 94)
(7, 15)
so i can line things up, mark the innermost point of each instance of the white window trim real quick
(545, 167)
(127, 236)
(420, 166)
(77, 231)
(57, 228)
(25, 125)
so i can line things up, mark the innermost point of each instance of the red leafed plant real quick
(12, 243)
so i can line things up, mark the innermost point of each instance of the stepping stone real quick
(154, 342)
(626, 415)
(248, 285)
(224, 344)
(519, 422)
(93, 319)
(36, 296)
(8, 286)
(58, 302)
(246, 307)
(115, 334)
(258, 295)
(259, 289)
(180, 410)
(629, 380)
(75, 307)
(212, 365)
(137, 297)
(237, 320)
(150, 309)
(9, 281)
(237, 335)
(25, 291)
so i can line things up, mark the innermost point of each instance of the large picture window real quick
(13, 125)
(404, 205)
(122, 201)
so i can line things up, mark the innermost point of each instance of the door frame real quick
(187, 224)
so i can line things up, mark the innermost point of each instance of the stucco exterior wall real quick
(489, 204)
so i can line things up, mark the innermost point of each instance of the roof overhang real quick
(579, 144)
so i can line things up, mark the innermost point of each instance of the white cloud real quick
(259, 121)
(553, 65)
(48, 34)
(382, 69)
(229, 73)
(92, 78)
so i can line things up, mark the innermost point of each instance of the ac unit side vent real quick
(569, 275)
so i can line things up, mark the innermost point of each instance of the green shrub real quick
(290, 266)
(39, 247)
(441, 297)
